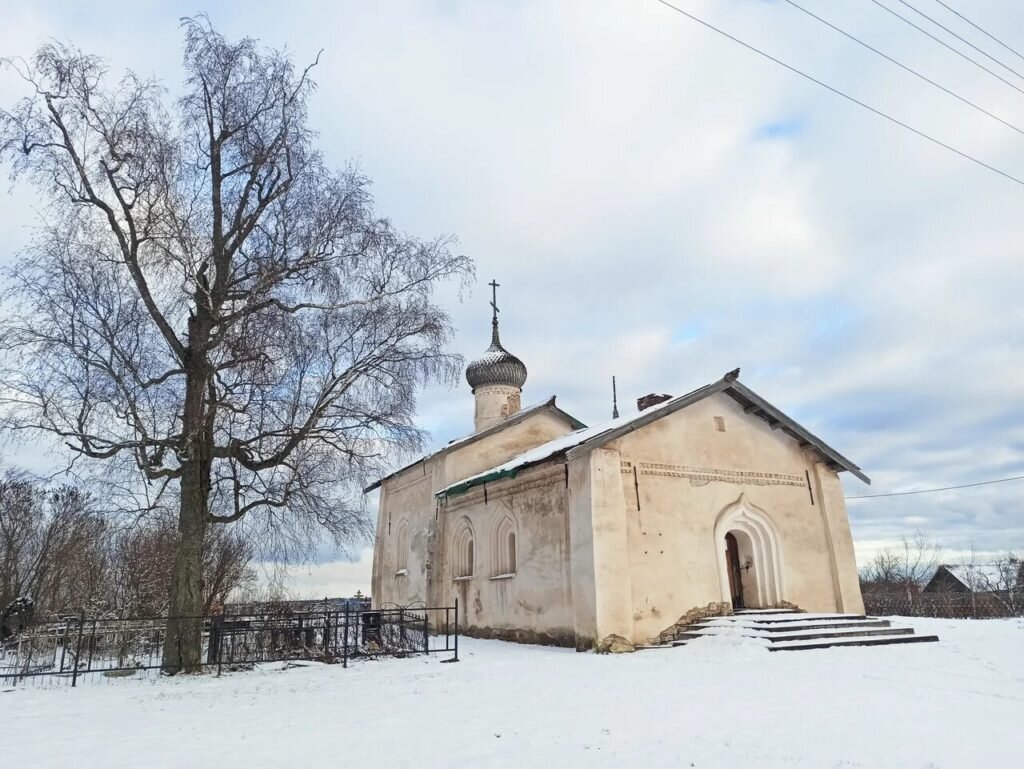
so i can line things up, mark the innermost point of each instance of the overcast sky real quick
(663, 205)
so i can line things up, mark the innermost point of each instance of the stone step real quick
(764, 611)
(854, 623)
(808, 644)
(778, 637)
(855, 641)
(799, 617)
(785, 629)
(845, 633)
(793, 627)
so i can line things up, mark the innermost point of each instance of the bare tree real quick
(904, 568)
(143, 563)
(211, 307)
(226, 570)
(44, 535)
(1003, 579)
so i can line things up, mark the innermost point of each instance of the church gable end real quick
(751, 404)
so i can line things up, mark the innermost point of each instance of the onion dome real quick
(497, 366)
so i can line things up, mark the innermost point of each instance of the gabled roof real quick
(581, 441)
(458, 443)
(976, 577)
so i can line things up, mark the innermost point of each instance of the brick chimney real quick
(652, 399)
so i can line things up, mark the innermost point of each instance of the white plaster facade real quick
(620, 529)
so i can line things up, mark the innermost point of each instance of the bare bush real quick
(64, 557)
(50, 545)
(903, 569)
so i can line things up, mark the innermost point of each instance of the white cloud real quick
(604, 162)
(330, 579)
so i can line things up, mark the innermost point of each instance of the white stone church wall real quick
(681, 473)
(409, 497)
(533, 603)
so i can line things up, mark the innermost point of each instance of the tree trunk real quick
(183, 646)
(183, 641)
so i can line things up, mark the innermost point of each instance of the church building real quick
(549, 531)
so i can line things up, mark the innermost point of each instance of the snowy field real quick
(718, 703)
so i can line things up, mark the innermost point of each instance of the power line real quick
(944, 488)
(846, 96)
(962, 39)
(943, 43)
(904, 66)
(982, 31)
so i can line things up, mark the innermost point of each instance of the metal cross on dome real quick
(494, 297)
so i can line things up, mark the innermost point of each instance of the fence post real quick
(344, 641)
(426, 634)
(78, 647)
(63, 648)
(456, 657)
(213, 641)
(220, 642)
(92, 645)
(327, 633)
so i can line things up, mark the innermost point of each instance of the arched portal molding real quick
(765, 546)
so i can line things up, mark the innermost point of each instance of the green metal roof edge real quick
(465, 486)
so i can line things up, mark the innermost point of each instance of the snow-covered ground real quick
(720, 703)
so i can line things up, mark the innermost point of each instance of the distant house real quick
(973, 578)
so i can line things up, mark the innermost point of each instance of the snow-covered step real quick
(860, 640)
(803, 617)
(851, 632)
(787, 629)
(779, 627)
(806, 634)
(790, 627)
(744, 612)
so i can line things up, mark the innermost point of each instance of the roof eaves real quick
(780, 420)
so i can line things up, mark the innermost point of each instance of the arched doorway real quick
(747, 549)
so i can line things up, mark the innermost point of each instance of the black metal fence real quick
(77, 649)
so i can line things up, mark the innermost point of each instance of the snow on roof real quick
(978, 576)
(751, 402)
(467, 439)
(547, 450)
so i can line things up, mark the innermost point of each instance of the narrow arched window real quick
(402, 549)
(504, 547)
(463, 551)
